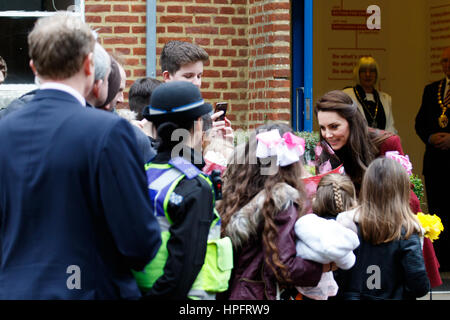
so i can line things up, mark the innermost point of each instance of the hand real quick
(137, 123)
(440, 140)
(222, 128)
(216, 115)
(329, 267)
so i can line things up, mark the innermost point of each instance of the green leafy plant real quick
(311, 139)
(417, 186)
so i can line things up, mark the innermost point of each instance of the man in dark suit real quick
(74, 210)
(433, 128)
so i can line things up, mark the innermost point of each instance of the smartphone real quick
(221, 106)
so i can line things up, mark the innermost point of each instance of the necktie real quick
(447, 97)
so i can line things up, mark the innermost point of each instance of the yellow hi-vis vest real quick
(216, 270)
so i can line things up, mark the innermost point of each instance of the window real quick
(17, 18)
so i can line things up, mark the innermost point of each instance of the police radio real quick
(217, 183)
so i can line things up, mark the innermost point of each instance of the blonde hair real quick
(366, 62)
(385, 214)
(59, 44)
(335, 193)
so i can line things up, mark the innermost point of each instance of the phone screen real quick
(221, 106)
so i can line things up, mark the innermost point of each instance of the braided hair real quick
(337, 197)
(335, 193)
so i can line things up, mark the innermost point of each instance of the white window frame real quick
(11, 91)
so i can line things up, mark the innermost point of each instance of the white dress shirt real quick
(65, 88)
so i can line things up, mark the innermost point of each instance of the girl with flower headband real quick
(389, 261)
(263, 197)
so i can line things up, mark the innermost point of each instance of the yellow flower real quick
(432, 225)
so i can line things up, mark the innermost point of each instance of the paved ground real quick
(442, 292)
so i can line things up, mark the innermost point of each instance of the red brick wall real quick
(248, 42)
(269, 61)
(121, 28)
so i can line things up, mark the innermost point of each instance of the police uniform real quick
(193, 261)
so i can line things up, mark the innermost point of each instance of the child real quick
(321, 238)
(262, 197)
(335, 193)
(183, 61)
(389, 260)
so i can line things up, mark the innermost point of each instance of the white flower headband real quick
(288, 148)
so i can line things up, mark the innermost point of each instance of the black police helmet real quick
(176, 101)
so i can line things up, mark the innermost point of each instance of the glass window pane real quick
(36, 5)
(14, 48)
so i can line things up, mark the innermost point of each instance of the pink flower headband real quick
(288, 148)
(403, 160)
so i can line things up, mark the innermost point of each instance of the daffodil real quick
(431, 224)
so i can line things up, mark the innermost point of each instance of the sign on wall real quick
(439, 31)
(355, 28)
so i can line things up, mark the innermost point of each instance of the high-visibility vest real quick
(216, 270)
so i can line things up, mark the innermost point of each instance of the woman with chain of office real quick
(376, 106)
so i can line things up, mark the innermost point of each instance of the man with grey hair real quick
(75, 217)
(102, 63)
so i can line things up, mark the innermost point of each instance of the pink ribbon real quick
(288, 148)
(403, 160)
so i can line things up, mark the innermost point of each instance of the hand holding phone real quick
(221, 106)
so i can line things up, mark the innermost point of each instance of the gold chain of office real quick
(443, 120)
(374, 117)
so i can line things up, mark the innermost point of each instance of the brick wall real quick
(269, 61)
(121, 28)
(248, 42)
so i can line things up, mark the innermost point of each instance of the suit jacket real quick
(144, 145)
(427, 124)
(18, 103)
(74, 211)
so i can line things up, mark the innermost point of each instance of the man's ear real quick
(88, 64)
(96, 87)
(33, 67)
(166, 76)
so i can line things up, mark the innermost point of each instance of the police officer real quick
(183, 199)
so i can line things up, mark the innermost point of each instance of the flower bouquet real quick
(318, 160)
(431, 224)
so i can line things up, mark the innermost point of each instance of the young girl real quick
(335, 193)
(389, 260)
(262, 197)
(321, 238)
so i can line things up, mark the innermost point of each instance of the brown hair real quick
(335, 193)
(241, 183)
(58, 45)
(176, 54)
(363, 144)
(140, 94)
(384, 205)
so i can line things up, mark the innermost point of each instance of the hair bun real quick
(165, 131)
